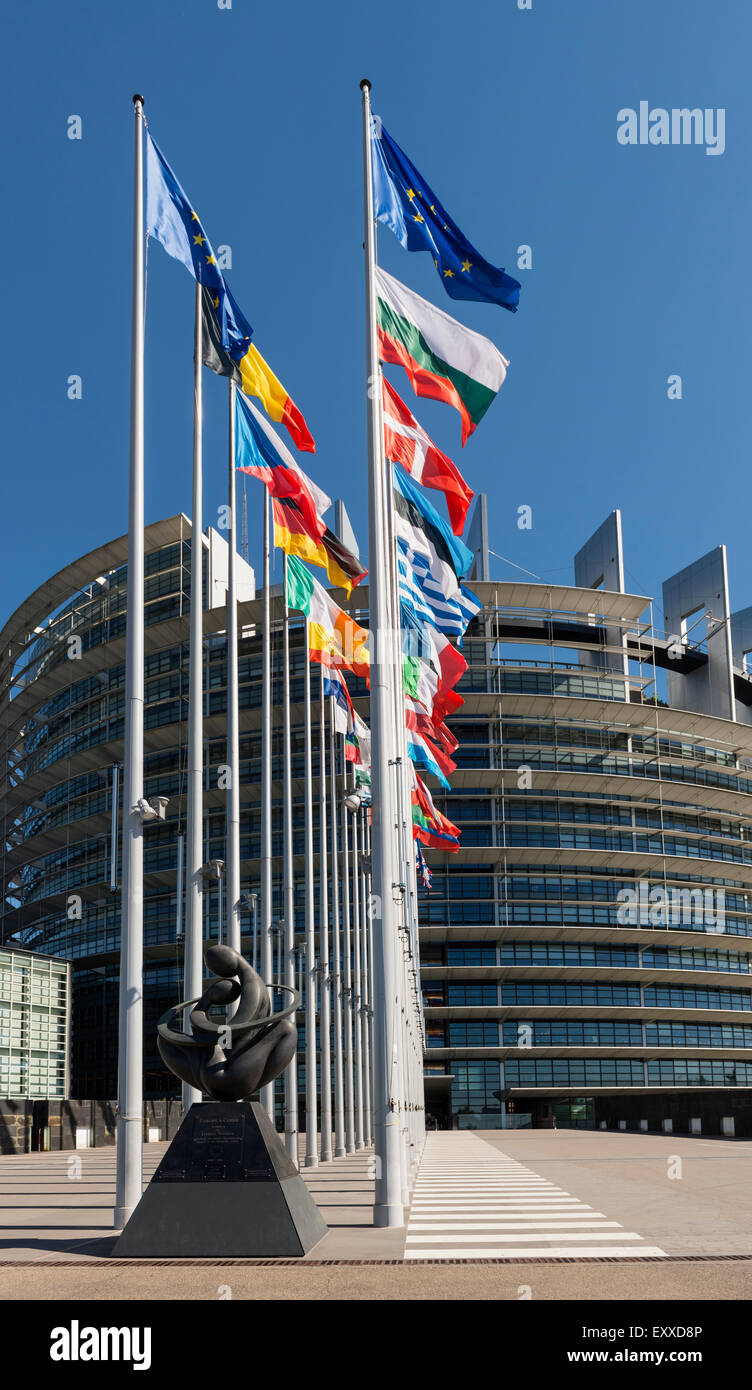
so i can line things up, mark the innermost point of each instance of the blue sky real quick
(640, 258)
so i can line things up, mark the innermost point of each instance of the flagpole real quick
(232, 869)
(194, 926)
(311, 1156)
(339, 1112)
(357, 1016)
(388, 1205)
(365, 992)
(347, 973)
(267, 1092)
(413, 1096)
(325, 1004)
(370, 977)
(129, 1183)
(408, 1153)
(291, 1073)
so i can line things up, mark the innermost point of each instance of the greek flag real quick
(421, 592)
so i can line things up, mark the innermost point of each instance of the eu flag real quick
(404, 201)
(172, 220)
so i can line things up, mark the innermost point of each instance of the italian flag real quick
(334, 638)
(406, 442)
(444, 360)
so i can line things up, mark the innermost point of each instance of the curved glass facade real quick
(593, 937)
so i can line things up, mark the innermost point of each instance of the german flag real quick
(293, 535)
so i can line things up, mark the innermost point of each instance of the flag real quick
(406, 442)
(405, 203)
(430, 560)
(422, 731)
(334, 638)
(418, 717)
(430, 827)
(444, 360)
(260, 452)
(421, 523)
(425, 596)
(424, 873)
(427, 644)
(423, 754)
(243, 363)
(363, 782)
(358, 743)
(172, 221)
(362, 735)
(334, 685)
(295, 537)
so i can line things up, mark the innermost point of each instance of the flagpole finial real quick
(138, 98)
(365, 82)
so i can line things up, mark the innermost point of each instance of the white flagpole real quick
(130, 1054)
(406, 937)
(347, 973)
(194, 925)
(291, 1074)
(339, 1099)
(232, 870)
(365, 992)
(388, 1205)
(311, 1156)
(357, 1001)
(267, 1092)
(325, 981)
(370, 968)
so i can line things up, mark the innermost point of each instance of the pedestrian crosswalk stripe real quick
(471, 1201)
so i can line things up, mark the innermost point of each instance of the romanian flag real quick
(334, 638)
(243, 362)
(293, 535)
(444, 360)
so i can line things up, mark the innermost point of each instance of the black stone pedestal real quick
(225, 1188)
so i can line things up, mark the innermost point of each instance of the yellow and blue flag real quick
(406, 204)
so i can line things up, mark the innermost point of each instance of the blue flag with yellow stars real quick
(404, 201)
(171, 219)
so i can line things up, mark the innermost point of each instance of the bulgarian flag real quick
(444, 360)
(406, 442)
(334, 638)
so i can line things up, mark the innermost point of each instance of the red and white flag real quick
(406, 442)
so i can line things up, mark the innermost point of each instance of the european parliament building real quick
(585, 957)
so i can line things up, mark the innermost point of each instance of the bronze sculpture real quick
(231, 1059)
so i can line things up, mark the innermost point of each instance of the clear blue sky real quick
(640, 257)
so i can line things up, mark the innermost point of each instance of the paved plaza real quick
(548, 1214)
